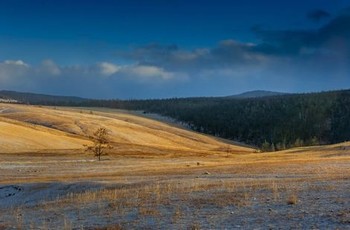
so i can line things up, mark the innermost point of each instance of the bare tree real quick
(101, 143)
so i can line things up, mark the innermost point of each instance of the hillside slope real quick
(19, 137)
(28, 128)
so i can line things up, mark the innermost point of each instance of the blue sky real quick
(174, 48)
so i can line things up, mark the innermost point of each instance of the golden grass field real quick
(159, 176)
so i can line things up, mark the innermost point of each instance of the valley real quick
(158, 176)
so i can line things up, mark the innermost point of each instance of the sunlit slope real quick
(45, 128)
(20, 137)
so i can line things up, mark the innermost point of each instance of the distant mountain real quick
(33, 98)
(256, 93)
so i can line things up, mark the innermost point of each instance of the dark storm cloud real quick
(332, 38)
(318, 15)
(227, 53)
(283, 42)
(305, 42)
(337, 28)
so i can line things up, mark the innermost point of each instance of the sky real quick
(138, 49)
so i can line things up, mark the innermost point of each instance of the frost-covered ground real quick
(186, 194)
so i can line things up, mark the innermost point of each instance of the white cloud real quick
(148, 72)
(48, 74)
(11, 71)
(184, 55)
(107, 68)
(16, 62)
(49, 67)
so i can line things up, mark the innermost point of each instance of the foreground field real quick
(159, 176)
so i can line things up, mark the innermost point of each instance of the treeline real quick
(40, 99)
(271, 123)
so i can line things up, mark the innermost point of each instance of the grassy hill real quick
(28, 128)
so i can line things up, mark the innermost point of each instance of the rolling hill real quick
(29, 128)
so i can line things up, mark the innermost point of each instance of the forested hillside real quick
(33, 98)
(272, 123)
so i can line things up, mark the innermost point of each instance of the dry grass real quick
(196, 193)
(292, 199)
(18, 137)
(180, 201)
